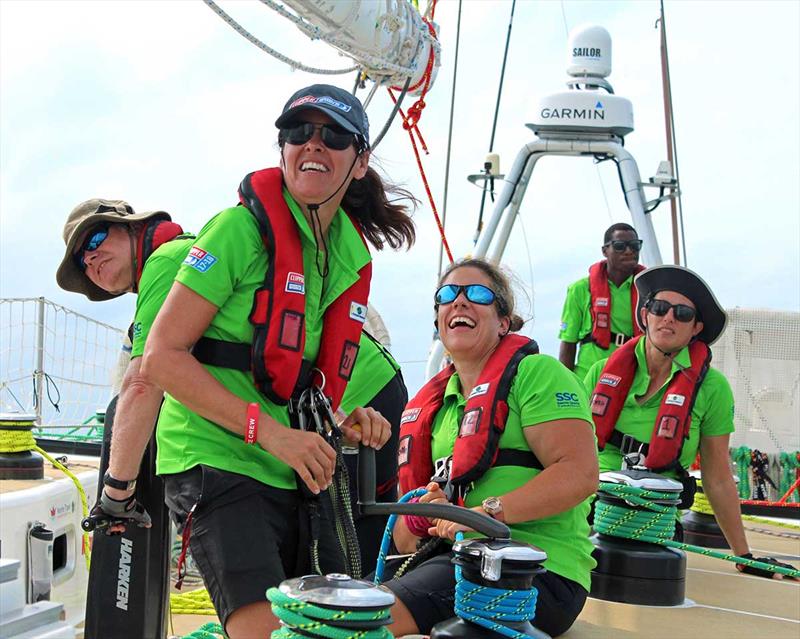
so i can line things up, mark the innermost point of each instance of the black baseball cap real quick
(341, 106)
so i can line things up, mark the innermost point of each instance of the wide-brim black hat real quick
(679, 279)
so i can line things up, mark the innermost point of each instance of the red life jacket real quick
(600, 293)
(278, 313)
(484, 420)
(674, 419)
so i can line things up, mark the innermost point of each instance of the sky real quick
(164, 105)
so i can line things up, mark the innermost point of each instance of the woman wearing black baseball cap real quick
(269, 302)
(658, 402)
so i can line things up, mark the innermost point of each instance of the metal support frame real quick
(495, 235)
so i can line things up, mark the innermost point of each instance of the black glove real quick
(109, 512)
(760, 572)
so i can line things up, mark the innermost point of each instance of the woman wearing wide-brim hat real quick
(658, 401)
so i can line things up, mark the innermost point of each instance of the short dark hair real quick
(619, 226)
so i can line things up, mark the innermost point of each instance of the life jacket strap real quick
(236, 355)
(616, 338)
(512, 457)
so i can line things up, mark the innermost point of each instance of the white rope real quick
(275, 54)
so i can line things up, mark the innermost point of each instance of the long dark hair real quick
(382, 220)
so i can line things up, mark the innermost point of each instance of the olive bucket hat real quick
(83, 217)
(688, 283)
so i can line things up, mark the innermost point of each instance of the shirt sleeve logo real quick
(567, 400)
(199, 259)
(358, 312)
(295, 283)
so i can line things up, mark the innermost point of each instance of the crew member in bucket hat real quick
(78, 270)
(657, 402)
(112, 250)
(267, 307)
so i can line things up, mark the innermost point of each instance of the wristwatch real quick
(119, 484)
(493, 507)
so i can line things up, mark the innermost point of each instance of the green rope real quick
(207, 631)
(741, 457)
(655, 523)
(306, 618)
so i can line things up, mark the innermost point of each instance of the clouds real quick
(162, 104)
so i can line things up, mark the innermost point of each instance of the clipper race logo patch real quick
(601, 301)
(610, 380)
(200, 260)
(410, 415)
(295, 283)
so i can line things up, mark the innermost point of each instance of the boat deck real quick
(720, 602)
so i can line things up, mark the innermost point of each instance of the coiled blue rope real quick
(481, 605)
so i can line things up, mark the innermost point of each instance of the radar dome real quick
(589, 52)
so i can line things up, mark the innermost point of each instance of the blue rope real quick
(483, 606)
(387, 534)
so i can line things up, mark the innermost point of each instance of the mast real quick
(667, 92)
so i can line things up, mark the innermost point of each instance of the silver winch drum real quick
(501, 563)
(645, 480)
(338, 591)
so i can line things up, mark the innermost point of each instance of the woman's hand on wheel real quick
(307, 453)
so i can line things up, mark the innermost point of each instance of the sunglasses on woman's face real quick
(681, 312)
(619, 246)
(475, 293)
(332, 135)
(94, 239)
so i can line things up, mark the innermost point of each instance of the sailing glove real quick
(760, 572)
(121, 511)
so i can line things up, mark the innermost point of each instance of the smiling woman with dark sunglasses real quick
(660, 392)
(543, 473)
(271, 301)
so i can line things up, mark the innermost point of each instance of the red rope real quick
(410, 122)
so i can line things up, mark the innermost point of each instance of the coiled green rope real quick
(644, 520)
(302, 618)
(207, 631)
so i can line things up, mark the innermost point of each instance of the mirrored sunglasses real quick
(333, 136)
(475, 293)
(619, 246)
(681, 312)
(94, 239)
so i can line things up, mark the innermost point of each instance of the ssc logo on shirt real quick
(295, 283)
(567, 400)
(199, 259)
(137, 329)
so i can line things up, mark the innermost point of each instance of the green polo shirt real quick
(157, 277)
(576, 321)
(542, 391)
(712, 413)
(225, 266)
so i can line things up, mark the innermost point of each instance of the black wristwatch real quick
(119, 484)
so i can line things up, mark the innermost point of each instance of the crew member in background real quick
(112, 250)
(658, 399)
(599, 309)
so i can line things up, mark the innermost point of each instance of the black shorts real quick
(428, 591)
(246, 536)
